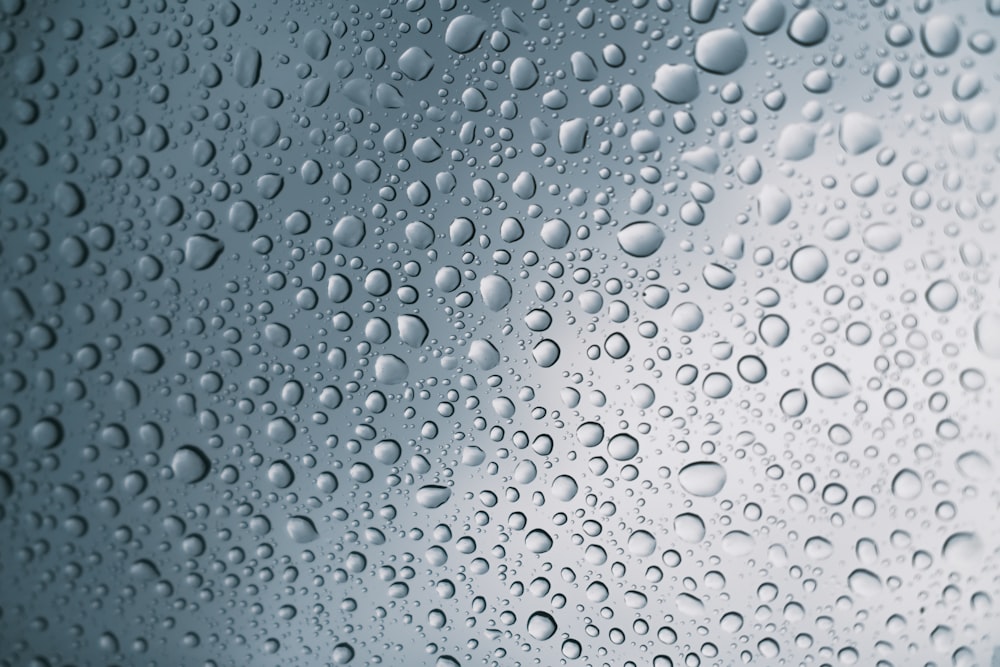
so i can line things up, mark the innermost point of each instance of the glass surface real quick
(648, 332)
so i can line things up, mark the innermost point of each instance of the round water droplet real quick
(808, 27)
(623, 447)
(641, 239)
(564, 488)
(942, 295)
(390, 369)
(752, 369)
(523, 73)
(718, 277)
(689, 527)
(147, 358)
(538, 541)
(687, 317)
(830, 381)
(717, 385)
(641, 543)
(720, 51)
(963, 550)
(280, 474)
(546, 353)
(738, 543)
(907, 485)
(774, 330)
(301, 529)
(47, 433)
(349, 231)
(940, 35)
(763, 17)
(793, 402)
(541, 626)
(616, 345)
(496, 292)
(809, 263)
(189, 464)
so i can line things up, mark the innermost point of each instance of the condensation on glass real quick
(515, 333)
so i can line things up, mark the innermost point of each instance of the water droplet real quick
(390, 369)
(433, 496)
(808, 27)
(687, 316)
(763, 17)
(830, 381)
(689, 527)
(523, 73)
(496, 292)
(940, 35)
(641, 239)
(280, 474)
(623, 447)
(906, 485)
(703, 478)
(464, 33)
(677, 84)
(538, 541)
(794, 402)
(415, 63)
(641, 543)
(541, 625)
(882, 237)
(987, 334)
(301, 529)
(564, 488)
(546, 353)
(865, 583)
(859, 133)
(809, 264)
(942, 295)
(773, 205)
(720, 51)
(818, 548)
(190, 464)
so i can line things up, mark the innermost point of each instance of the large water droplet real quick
(301, 529)
(189, 464)
(830, 381)
(703, 478)
(720, 51)
(433, 496)
(541, 625)
(677, 84)
(641, 239)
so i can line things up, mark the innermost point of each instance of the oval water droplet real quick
(703, 478)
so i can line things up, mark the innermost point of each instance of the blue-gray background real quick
(420, 332)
